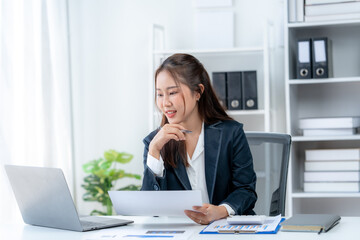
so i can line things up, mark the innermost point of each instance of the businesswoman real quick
(214, 157)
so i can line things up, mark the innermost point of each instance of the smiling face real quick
(175, 99)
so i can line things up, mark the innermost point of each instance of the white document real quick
(332, 154)
(246, 219)
(270, 225)
(340, 165)
(331, 122)
(154, 203)
(120, 233)
(331, 187)
(332, 176)
(330, 132)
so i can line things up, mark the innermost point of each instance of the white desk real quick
(348, 228)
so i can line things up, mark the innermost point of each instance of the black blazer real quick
(229, 172)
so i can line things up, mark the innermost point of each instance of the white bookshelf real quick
(220, 60)
(336, 96)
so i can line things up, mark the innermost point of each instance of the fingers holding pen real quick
(174, 131)
(165, 134)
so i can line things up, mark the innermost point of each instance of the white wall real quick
(110, 67)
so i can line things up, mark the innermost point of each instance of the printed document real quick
(221, 225)
(155, 203)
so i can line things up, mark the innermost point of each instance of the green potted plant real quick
(103, 173)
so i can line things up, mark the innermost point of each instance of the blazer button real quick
(156, 187)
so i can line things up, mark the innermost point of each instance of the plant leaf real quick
(124, 157)
(97, 213)
(111, 155)
(102, 176)
(90, 166)
(131, 187)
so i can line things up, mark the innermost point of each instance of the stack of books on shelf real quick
(332, 126)
(332, 170)
(331, 10)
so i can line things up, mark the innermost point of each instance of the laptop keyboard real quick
(89, 225)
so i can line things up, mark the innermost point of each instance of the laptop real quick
(44, 200)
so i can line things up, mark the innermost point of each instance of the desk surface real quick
(348, 228)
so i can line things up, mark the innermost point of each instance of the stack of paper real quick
(334, 126)
(332, 170)
(331, 10)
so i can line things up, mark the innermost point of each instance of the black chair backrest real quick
(271, 153)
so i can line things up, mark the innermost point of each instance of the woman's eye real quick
(172, 93)
(159, 95)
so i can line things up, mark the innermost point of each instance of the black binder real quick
(249, 90)
(303, 68)
(320, 58)
(234, 90)
(219, 84)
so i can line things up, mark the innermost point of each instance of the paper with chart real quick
(120, 233)
(221, 225)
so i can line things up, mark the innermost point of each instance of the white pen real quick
(185, 131)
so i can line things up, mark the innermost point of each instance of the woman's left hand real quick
(206, 213)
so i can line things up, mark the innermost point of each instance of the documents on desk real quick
(246, 220)
(271, 225)
(113, 233)
(154, 203)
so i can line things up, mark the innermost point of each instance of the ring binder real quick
(320, 58)
(249, 88)
(219, 84)
(234, 90)
(303, 59)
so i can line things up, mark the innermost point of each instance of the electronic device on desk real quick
(246, 220)
(49, 203)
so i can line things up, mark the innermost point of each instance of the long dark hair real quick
(188, 70)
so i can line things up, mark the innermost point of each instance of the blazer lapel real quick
(181, 174)
(213, 136)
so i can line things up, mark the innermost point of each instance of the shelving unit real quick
(337, 96)
(217, 60)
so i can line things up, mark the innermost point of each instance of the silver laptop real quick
(44, 200)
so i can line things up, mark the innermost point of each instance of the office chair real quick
(271, 153)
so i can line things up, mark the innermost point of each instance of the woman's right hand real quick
(166, 133)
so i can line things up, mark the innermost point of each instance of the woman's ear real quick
(202, 88)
